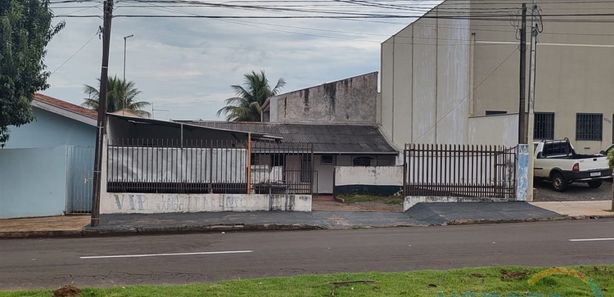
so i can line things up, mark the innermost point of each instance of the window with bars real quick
(305, 168)
(589, 126)
(544, 126)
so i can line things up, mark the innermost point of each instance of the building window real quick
(544, 126)
(362, 161)
(589, 126)
(306, 168)
(326, 160)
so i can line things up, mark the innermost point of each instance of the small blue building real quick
(46, 166)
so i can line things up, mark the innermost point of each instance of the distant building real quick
(456, 80)
(349, 101)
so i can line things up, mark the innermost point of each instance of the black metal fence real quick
(204, 166)
(459, 171)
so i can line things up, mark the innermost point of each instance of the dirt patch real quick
(67, 291)
(507, 275)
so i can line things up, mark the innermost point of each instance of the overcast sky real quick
(185, 66)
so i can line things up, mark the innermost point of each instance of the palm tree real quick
(247, 105)
(121, 95)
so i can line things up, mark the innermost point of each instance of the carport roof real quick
(178, 124)
(326, 138)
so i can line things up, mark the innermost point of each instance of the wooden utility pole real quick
(102, 110)
(522, 106)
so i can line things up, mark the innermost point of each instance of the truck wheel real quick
(594, 184)
(558, 182)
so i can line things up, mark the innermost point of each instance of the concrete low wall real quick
(375, 180)
(178, 203)
(410, 201)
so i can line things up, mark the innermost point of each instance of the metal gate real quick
(79, 171)
(459, 171)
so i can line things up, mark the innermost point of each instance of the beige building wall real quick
(494, 130)
(425, 79)
(437, 73)
(575, 67)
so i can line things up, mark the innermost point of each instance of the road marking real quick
(592, 239)
(165, 254)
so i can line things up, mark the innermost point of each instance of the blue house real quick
(46, 165)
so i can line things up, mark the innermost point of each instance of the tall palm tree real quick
(121, 95)
(247, 105)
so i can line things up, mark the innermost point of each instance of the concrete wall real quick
(425, 79)
(51, 130)
(378, 180)
(178, 203)
(32, 182)
(352, 100)
(495, 129)
(574, 67)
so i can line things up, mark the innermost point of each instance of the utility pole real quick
(102, 110)
(522, 106)
(125, 39)
(532, 84)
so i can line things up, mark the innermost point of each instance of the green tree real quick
(247, 105)
(25, 31)
(121, 95)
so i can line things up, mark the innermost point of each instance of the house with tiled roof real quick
(47, 163)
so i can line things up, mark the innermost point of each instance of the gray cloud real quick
(186, 66)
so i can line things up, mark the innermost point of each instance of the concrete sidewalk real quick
(579, 209)
(427, 214)
(424, 214)
(43, 227)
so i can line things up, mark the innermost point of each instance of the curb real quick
(41, 234)
(530, 220)
(187, 229)
(131, 231)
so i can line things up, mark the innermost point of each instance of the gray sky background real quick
(185, 66)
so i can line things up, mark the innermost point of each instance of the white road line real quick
(592, 239)
(165, 254)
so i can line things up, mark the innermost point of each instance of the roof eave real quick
(65, 113)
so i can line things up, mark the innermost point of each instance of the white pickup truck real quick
(556, 161)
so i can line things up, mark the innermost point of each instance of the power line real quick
(76, 52)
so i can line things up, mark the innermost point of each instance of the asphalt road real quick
(30, 263)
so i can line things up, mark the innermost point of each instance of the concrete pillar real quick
(523, 187)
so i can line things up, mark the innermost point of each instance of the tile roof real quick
(65, 106)
(335, 138)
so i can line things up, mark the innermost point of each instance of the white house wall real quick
(497, 130)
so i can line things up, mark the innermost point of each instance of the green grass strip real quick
(495, 281)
